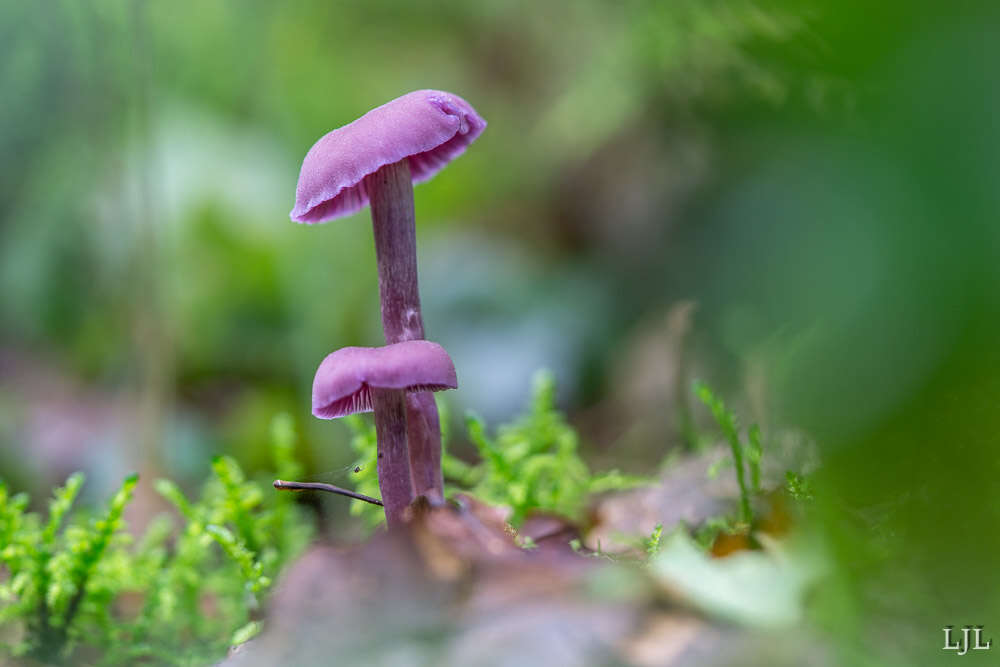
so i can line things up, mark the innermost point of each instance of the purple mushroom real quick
(364, 379)
(376, 159)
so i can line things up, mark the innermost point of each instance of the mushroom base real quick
(393, 463)
(424, 440)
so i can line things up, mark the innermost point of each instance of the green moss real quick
(78, 585)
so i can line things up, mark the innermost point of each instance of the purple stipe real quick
(428, 128)
(345, 379)
(395, 234)
(396, 253)
(423, 430)
(393, 466)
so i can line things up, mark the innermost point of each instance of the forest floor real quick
(458, 587)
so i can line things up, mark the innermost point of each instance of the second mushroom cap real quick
(344, 379)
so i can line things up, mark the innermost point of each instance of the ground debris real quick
(458, 587)
(685, 493)
(453, 589)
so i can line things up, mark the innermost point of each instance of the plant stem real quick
(390, 192)
(283, 485)
(393, 457)
(727, 422)
(745, 512)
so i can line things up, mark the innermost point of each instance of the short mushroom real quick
(376, 159)
(364, 379)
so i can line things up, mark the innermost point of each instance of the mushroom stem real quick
(424, 437)
(390, 191)
(391, 194)
(393, 464)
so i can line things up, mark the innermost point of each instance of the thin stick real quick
(282, 485)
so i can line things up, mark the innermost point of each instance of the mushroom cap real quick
(345, 378)
(430, 127)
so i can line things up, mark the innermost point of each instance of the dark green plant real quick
(88, 591)
(531, 464)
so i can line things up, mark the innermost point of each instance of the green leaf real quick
(752, 588)
(246, 633)
(60, 505)
(175, 496)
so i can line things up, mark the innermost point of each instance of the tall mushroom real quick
(363, 379)
(376, 159)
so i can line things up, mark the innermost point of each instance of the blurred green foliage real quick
(156, 155)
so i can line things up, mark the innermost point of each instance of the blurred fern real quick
(88, 592)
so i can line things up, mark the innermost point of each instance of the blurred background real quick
(796, 202)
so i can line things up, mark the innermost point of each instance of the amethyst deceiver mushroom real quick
(364, 379)
(375, 160)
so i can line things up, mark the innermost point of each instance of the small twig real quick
(282, 485)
